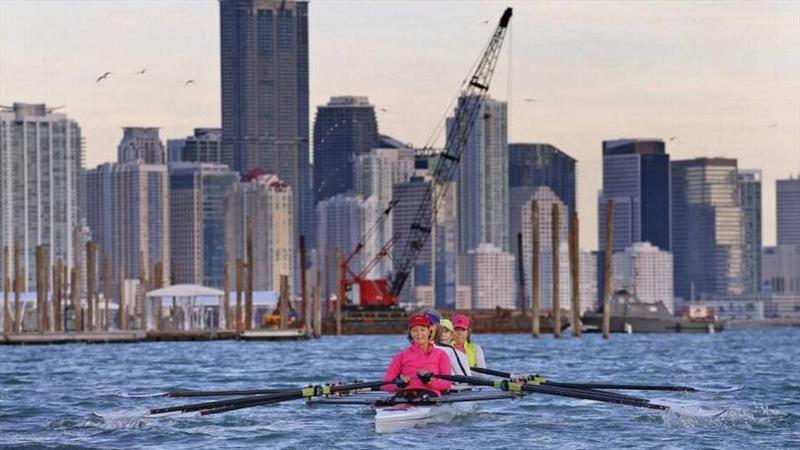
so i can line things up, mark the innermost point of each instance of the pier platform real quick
(111, 337)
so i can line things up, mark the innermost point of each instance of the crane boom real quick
(472, 96)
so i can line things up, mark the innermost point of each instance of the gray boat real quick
(629, 315)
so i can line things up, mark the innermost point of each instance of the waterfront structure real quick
(534, 165)
(264, 75)
(140, 144)
(205, 146)
(490, 272)
(374, 176)
(340, 222)
(41, 184)
(781, 269)
(749, 185)
(546, 198)
(645, 271)
(787, 194)
(343, 129)
(198, 200)
(129, 217)
(266, 203)
(482, 179)
(636, 176)
(708, 228)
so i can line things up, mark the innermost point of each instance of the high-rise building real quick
(205, 146)
(788, 210)
(781, 269)
(535, 165)
(482, 180)
(140, 144)
(266, 203)
(588, 281)
(546, 198)
(645, 271)
(410, 196)
(636, 176)
(264, 71)
(490, 272)
(707, 228)
(375, 175)
(41, 173)
(128, 215)
(339, 222)
(750, 201)
(344, 129)
(198, 197)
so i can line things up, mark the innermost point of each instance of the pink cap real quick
(460, 321)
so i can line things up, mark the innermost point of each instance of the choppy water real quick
(68, 396)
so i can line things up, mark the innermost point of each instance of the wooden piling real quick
(75, 299)
(106, 290)
(304, 298)
(226, 300)
(521, 274)
(6, 289)
(318, 306)
(325, 279)
(18, 280)
(248, 308)
(556, 272)
(123, 313)
(608, 268)
(39, 290)
(239, 275)
(535, 278)
(574, 272)
(340, 297)
(90, 285)
(58, 282)
(46, 290)
(138, 307)
(284, 302)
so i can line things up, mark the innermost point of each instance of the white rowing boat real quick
(395, 413)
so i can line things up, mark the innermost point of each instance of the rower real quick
(459, 363)
(420, 356)
(462, 340)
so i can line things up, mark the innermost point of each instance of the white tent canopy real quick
(186, 290)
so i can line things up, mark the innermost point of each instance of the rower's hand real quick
(425, 377)
(401, 381)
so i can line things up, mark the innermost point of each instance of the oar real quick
(537, 379)
(308, 392)
(194, 393)
(550, 390)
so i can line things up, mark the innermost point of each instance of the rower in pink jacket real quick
(420, 356)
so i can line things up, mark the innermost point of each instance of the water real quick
(69, 396)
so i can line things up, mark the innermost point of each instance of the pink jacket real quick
(412, 360)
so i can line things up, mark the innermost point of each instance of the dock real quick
(120, 337)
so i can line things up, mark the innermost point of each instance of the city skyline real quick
(717, 85)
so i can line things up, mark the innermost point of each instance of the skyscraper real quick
(198, 197)
(636, 177)
(205, 146)
(788, 210)
(482, 180)
(264, 68)
(490, 272)
(128, 214)
(750, 201)
(410, 196)
(140, 145)
(267, 203)
(41, 172)
(344, 129)
(707, 227)
(646, 272)
(535, 165)
(340, 222)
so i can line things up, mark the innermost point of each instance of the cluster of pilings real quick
(574, 266)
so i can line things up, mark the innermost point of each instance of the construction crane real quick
(473, 92)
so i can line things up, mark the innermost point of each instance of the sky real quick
(721, 78)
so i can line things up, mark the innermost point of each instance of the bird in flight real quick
(485, 22)
(141, 72)
(673, 138)
(530, 100)
(774, 125)
(102, 77)
(383, 110)
(188, 82)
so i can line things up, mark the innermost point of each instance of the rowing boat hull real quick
(402, 417)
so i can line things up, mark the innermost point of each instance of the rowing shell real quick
(397, 413)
